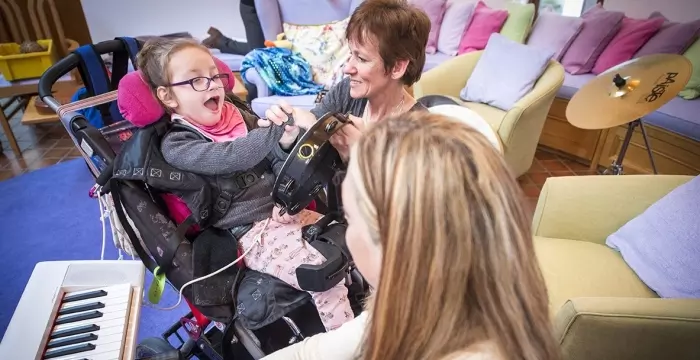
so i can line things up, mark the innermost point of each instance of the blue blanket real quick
(286, 73)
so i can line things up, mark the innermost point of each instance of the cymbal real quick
(629, 91)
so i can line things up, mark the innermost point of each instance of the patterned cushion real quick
(323, 46)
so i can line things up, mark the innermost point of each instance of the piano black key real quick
(85, 295)
(80, 308)
(78, 317)
(74, 331)
(68, 350)
(71, 340)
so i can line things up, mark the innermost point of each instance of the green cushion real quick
(520, 17)
(692, 90)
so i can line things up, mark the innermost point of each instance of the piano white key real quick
(110, 350)
(84, 290)
(107, 324)
(108, 309)
(102, 343)
(117, 321)
(113, 297)
(114, 315)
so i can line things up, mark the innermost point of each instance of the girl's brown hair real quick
(155, 55)
(458, 270)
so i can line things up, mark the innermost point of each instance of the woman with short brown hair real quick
(387, 40)
(436, 225)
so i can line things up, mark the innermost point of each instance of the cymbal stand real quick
(616, 167)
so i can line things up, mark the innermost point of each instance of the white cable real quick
(257, 241)
(97, 189)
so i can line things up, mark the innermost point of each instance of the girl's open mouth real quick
(212, 103)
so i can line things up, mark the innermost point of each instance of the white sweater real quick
(343, 343)
(339, 344)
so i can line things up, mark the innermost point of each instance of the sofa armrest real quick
(589, 208)
(521, 128)
(447, 78)
(629, 328)
(251, 75)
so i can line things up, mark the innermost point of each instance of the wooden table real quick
(24, 88)
(239, 88)
(31, 116)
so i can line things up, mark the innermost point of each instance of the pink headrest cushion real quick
(138, 105)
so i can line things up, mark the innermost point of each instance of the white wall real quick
(107, 20)
(676, 10)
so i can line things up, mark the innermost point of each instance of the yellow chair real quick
(600, 308)
(520, 127)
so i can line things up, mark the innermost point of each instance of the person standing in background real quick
(253, 33)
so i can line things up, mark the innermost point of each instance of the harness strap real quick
(120, 59)
(120, 67)
(94, 74)
(135, 242)
(232, 188)
(170, 251)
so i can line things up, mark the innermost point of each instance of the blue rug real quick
(47, 215)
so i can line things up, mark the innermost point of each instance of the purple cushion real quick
(673, 38)
(505, 61)
(554, 32)
(633, 34)
(661, 245)
(457, 16)
(435, 9)
(433, 60)
(599, 27)
(679, 116)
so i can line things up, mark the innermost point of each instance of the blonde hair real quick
(152, 60)
(458, 265)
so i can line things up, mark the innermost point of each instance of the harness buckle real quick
(246, 179)
(223, 202)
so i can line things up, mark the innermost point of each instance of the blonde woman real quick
(437, 227)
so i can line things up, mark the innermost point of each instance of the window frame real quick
(537, 5)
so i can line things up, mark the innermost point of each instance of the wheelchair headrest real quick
(435, 100)
(138, 105)
(469, 117)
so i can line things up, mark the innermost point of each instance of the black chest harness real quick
(142, 160)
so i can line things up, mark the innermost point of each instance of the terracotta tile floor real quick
(49, 144)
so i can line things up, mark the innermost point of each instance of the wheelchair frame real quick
(203, 340)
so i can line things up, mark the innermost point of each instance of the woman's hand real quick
(284, 219)
(277, 114)
(347, 136)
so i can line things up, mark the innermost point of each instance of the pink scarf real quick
(231, 125)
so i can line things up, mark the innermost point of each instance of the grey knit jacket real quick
(187, 151)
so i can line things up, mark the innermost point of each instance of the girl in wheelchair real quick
(184, 78)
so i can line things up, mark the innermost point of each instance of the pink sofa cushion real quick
(599, 27)
(485, 21)
(456, 19)
(673, 38)
(632, 35)
(554, 32)
(435, 9)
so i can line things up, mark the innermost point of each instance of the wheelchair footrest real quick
(320, 278)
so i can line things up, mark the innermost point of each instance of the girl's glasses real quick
(201, 83)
